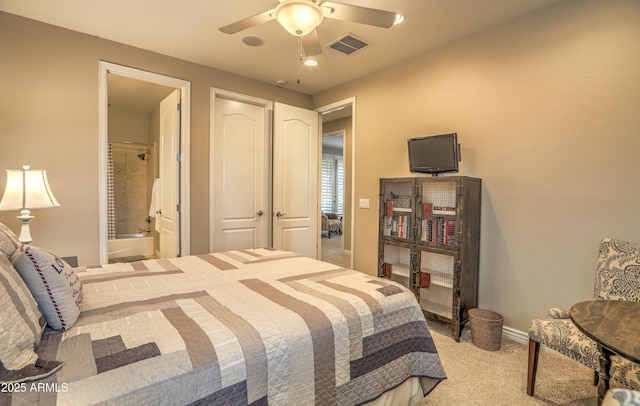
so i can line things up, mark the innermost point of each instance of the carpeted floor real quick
(333, 252)
(479, 377)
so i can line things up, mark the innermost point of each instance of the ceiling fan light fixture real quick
(298, 17)
(399, 19)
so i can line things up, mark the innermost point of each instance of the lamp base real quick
(25, 234)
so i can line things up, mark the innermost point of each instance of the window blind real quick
(332, 188)
(327, 184)
(339, 186)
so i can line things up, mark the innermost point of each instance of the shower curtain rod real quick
(130, 143)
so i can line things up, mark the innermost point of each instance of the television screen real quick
(434, 154)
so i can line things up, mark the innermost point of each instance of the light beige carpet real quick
(333, 252)
(479, 377)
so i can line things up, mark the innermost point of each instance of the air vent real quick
(348, 44)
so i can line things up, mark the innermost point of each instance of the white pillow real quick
(53, 283)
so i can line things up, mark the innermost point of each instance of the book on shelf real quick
(404, 226)
(427, 210)
(398, 225)
(388, 225)
(446, 210)
(449, 232)
(425, 280)
(427, 230)
(438, 229)
(401, 226)
(407, 232)
(389, 208)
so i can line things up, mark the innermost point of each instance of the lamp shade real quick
(27, 189)
(298, 17)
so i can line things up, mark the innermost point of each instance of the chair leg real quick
(534, 351)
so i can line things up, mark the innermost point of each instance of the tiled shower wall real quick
(133, 179)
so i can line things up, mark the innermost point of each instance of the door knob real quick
(260, 213)
(278, 214)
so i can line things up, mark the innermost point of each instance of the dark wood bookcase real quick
(429, 241)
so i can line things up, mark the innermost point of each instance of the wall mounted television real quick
(434, 154)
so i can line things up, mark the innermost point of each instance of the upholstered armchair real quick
(331, 223)
(621, 397)
(617, 278)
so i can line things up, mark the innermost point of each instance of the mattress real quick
(250, 327)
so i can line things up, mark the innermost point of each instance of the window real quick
(332, 184)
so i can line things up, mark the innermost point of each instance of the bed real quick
(252, 327)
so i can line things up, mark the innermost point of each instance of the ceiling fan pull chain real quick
(299, 56)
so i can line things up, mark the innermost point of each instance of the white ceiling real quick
(189, 30)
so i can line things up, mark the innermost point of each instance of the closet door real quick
(295, 180)
(263, 175)
(240, 176)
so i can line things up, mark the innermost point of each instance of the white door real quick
(169, 216)
(240, 176)
(295, 180)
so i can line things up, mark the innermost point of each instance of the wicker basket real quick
(486, 329)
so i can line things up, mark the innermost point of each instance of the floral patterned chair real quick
(617, 278)
(331, 223)
(621, 397)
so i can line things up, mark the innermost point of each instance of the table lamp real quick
(27, 189)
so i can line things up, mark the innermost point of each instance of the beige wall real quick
(49, 119)
(126, 125)
(547, 112)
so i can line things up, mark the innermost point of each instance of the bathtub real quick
(128, 245)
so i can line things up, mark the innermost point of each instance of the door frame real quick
(325, 109)
(267, 105)
(185, 138)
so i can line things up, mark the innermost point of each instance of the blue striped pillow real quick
(53, 283)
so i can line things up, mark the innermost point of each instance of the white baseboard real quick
(523, 338)
(515, 335)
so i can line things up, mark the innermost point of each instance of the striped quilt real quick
(257, 327)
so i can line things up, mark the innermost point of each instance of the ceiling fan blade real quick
(247, 22)
(311, 44)
(363, 15)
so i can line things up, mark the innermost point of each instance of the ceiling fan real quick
(301, 18)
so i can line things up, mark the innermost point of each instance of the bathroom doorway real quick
(132, 145)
